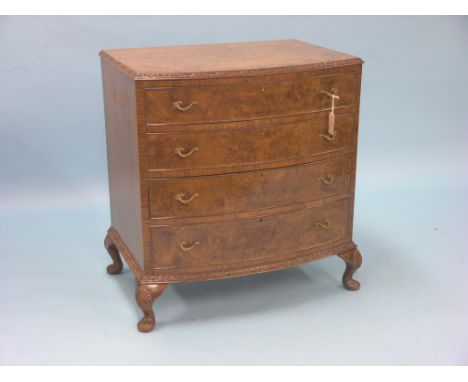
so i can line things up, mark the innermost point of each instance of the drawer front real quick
(218, 194)
(235, 147)
(222, 103)
(251, 239)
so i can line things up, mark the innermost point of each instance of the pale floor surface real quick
(58, 306)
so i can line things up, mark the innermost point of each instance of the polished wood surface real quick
(123, 158)
(353, 261)
(222, 103)
(145, 295)
(221, 163)
(116, 267)
(297, 141)
(210, 195)
(241, 241)
(224, 60)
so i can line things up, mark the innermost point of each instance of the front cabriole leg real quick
(116, 267)
(145, 296)
(353, 261)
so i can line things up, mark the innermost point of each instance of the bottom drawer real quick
(237, 241)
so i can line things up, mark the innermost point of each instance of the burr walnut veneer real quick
(229, 160)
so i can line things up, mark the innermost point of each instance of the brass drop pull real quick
(329, 137)
(180, 152)
(327, 180)
(178, 105)
(181, 198)
(326, 225)
(188, 247)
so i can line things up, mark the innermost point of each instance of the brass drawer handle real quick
(180, 198)
(326, 225)
(178, 105)
(180, 152)
(188, 247)
(328, 136)
(327, 180)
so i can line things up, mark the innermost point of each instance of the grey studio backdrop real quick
(57, 304)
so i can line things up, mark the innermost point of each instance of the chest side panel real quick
(122, 158)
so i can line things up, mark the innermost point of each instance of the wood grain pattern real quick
(222, 103)
(216, 272)
(248, 146)
(220, 194)
(225, 60)
(242, 241)
(123, 158)
(219, 165)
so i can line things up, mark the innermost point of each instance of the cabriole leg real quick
(116, 266)
(145, 296)
(353, 261)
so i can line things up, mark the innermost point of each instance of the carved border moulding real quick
(243, 73)
(174, 278)
(348, 252)
(231, 73)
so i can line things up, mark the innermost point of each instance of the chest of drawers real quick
(229, 160)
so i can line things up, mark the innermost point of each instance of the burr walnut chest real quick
(229, 160)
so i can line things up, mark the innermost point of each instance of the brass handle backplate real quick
(188, 247)
(181, 198)
(180, 152)
(178, 105)
(327, 180)
(328, 136)
(325, 225)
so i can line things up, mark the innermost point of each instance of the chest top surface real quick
(221, 60)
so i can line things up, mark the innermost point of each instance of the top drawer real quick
(234, 102)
